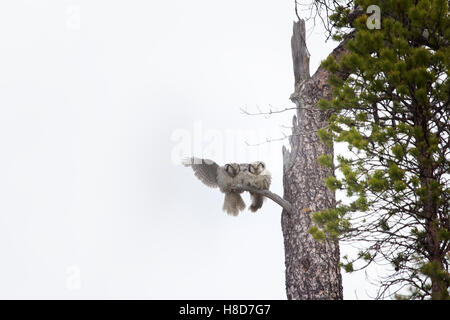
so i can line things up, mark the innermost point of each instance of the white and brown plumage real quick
(226, 177)
(256, 176)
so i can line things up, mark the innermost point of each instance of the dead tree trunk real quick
(312, 267)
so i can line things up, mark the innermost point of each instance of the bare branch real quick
(286, 205)
(271, 111)
(284, 137)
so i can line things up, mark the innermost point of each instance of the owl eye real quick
(227, 167)
(262, 165)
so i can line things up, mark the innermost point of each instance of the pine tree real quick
(393, 114)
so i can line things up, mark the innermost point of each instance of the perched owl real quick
(213, 175)
(259, 177)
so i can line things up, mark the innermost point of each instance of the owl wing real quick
(204, 169)
(267, 179)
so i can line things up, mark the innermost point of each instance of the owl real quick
(226, 177)
(257, 176)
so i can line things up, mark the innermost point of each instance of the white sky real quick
(98, 101)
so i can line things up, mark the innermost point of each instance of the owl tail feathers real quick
(233, 203)
(257, 202)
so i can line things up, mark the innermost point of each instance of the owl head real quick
(256, 167)
(232, 169)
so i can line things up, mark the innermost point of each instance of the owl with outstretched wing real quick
(224, 177)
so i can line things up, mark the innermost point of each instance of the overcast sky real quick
(99, 100)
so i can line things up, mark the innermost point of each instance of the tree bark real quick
(312, 267)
